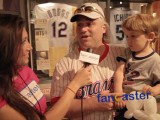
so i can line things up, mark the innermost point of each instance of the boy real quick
(139, 69)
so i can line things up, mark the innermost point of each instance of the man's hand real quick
(103, 106)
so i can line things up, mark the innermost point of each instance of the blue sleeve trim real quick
(121, 59)
(158, 82)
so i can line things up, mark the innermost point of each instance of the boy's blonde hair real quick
(144, 23)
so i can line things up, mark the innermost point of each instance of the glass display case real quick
(54, 22)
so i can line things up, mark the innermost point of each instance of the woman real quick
(20, 96)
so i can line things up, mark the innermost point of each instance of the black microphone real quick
(86, 63)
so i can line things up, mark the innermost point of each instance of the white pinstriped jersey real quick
(101, 77)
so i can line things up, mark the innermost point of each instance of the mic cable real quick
(85, 65)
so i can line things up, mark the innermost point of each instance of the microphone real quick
(87, 63)
(87, 57)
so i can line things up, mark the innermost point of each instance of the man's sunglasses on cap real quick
(87, 9)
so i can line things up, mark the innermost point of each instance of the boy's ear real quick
(151, 36)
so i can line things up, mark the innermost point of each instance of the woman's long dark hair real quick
(11, 27)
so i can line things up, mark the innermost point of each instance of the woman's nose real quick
(29, 46)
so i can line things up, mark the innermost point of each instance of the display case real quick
(41, 56)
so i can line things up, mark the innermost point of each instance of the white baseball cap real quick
(90, 10)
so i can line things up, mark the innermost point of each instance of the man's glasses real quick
(88, 9)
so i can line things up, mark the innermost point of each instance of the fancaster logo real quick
(123, 97)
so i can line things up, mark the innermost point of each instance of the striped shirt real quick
(101, 78)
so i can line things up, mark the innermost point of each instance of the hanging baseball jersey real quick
(58, 21)
(58, 29)
(117, 15)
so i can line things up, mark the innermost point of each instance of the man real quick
(91, 33)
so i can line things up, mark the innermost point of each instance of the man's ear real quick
(151, 36)
(104, 28)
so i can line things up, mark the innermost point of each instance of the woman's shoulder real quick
(28, 73)
(2, 102)
(25, 70)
